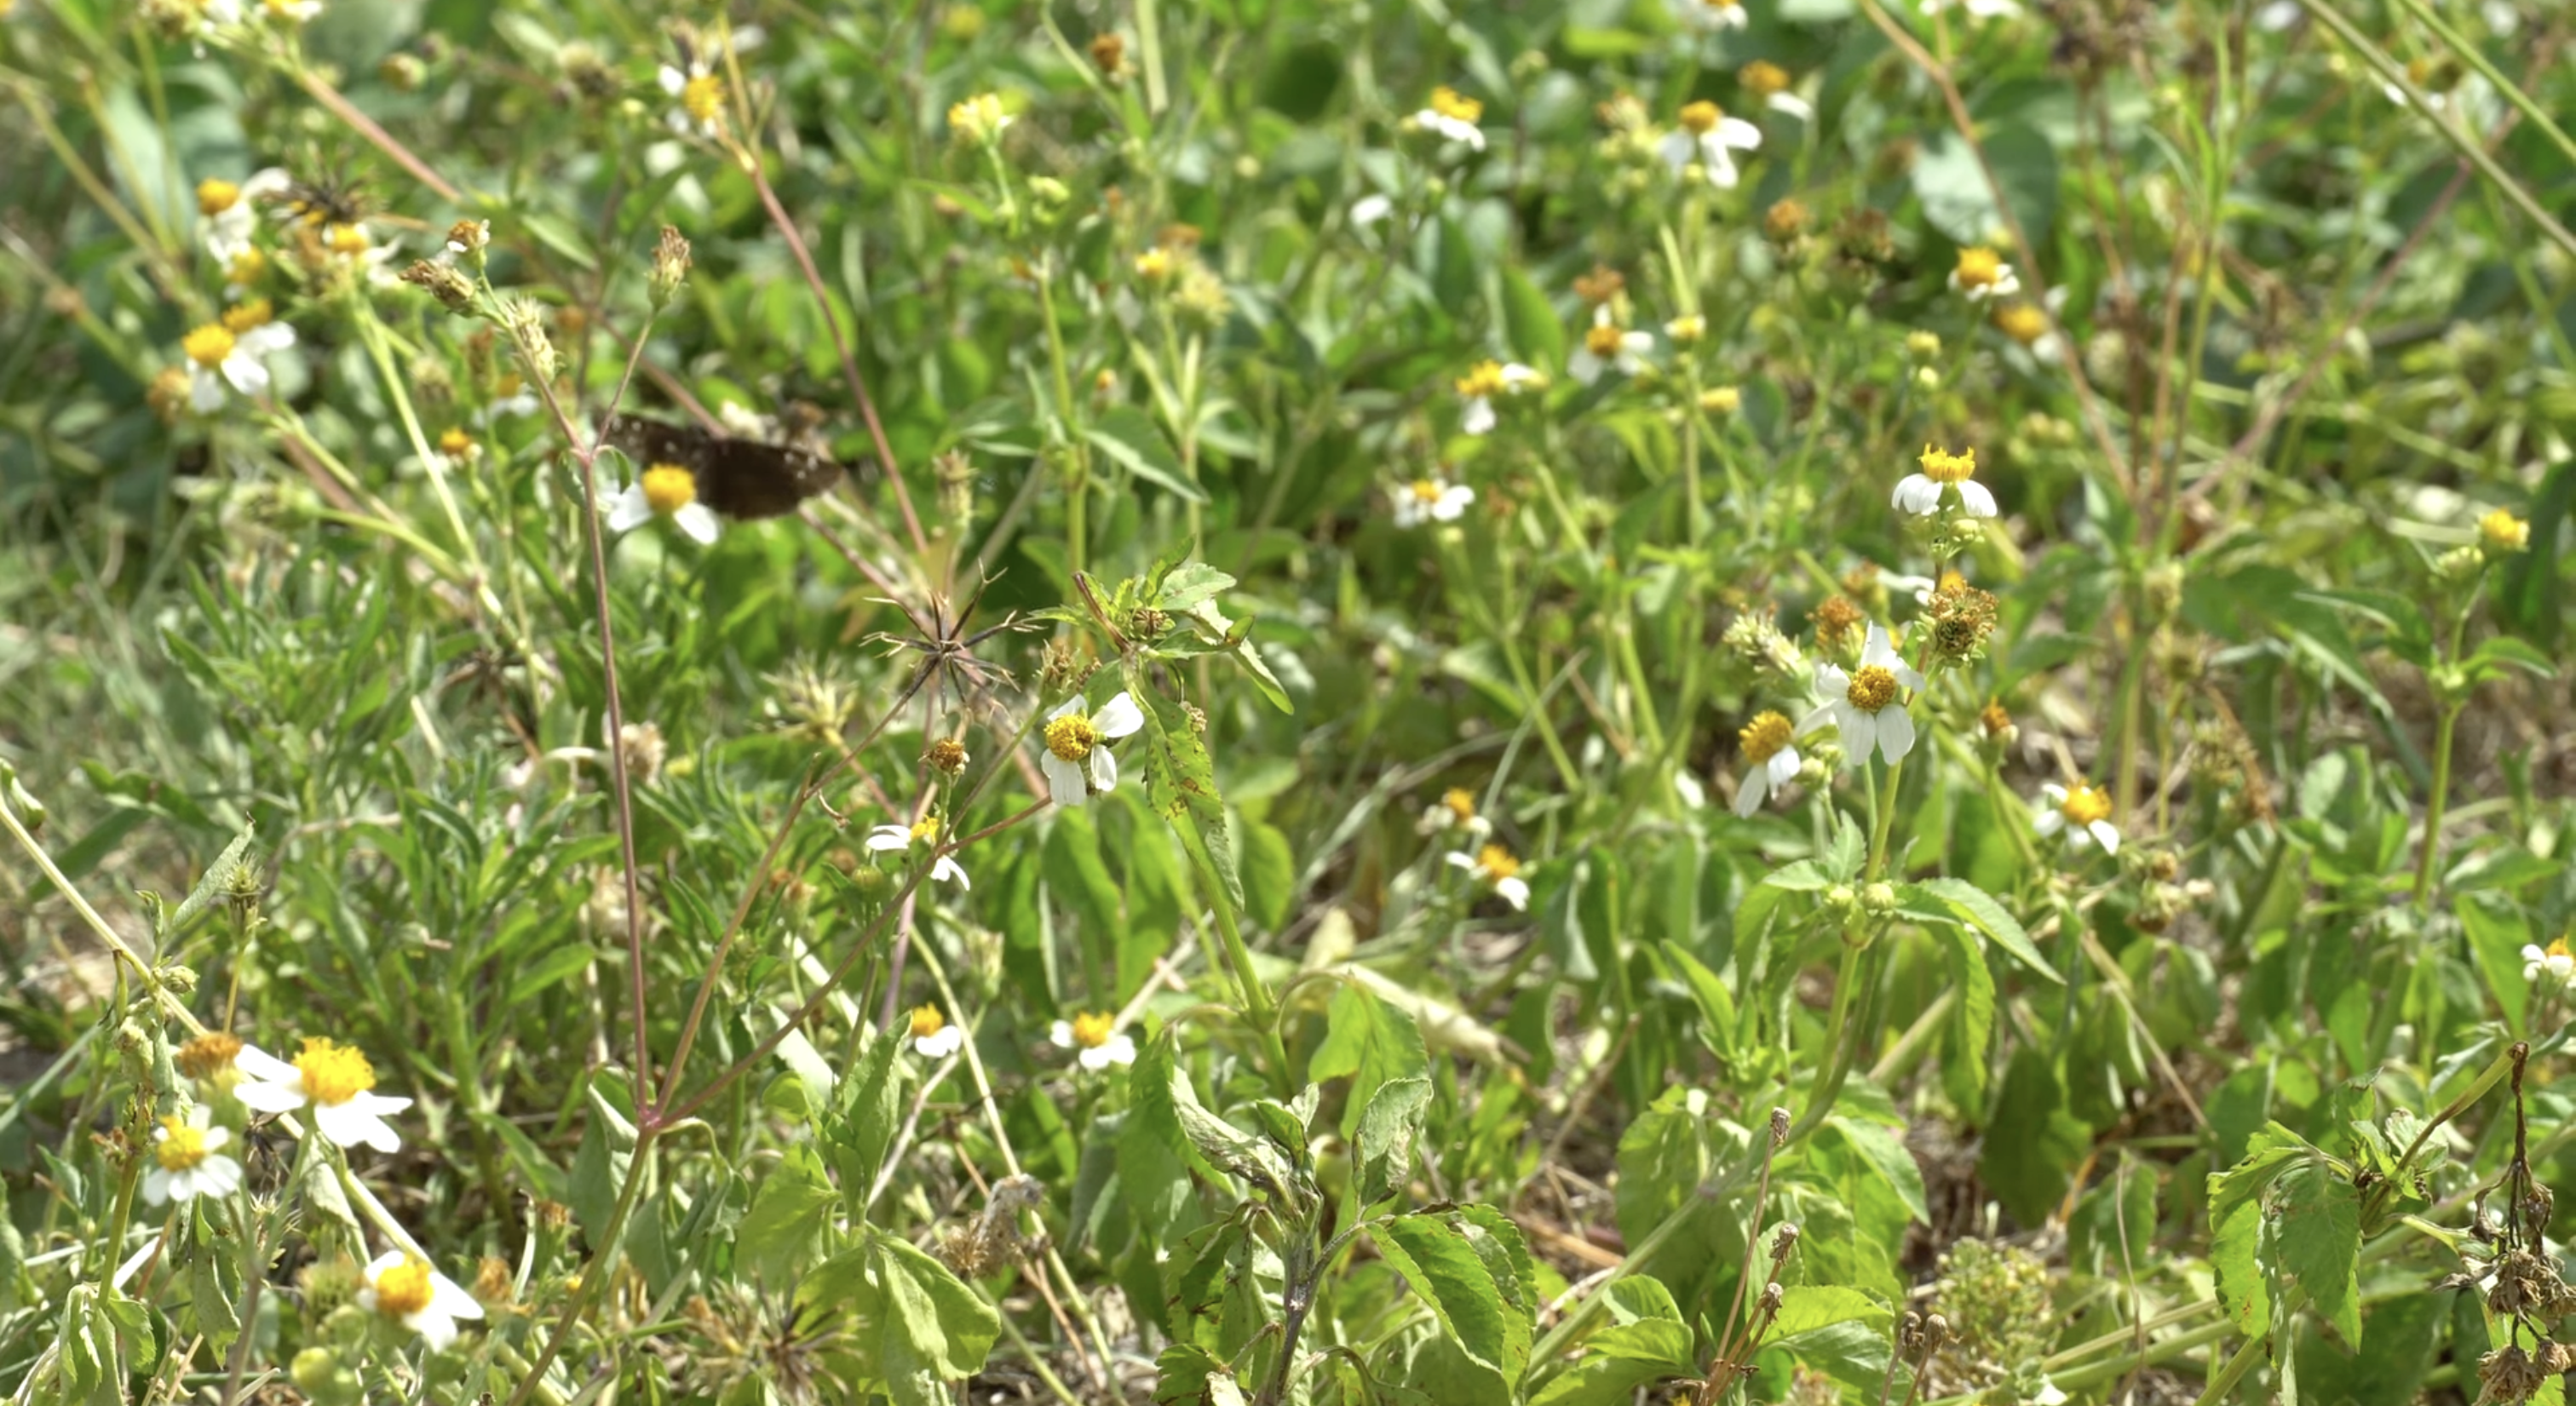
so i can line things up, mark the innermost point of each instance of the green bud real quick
(1879, 897)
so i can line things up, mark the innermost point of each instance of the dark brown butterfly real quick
(740, 478)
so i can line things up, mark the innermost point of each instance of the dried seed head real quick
(1783, 1241)
(443, 282)
(2510, 1376)
(1780, 1134)
(670, 265)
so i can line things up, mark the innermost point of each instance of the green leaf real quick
(1370, 1041)
(1453, 1282)
(1269, 875)
(212, 885)
(2319, 1235)
(1888, 1160)
(1153, 1151)
(1618, 1360)
(2033, 1143)
(864, 1126)
(1957, 201)
(1180, 783)
(1536, 333)
(1716, 1004)
(1807, 1307)
(1186, 585)
(2497, 934)
(598, 1167)
(919, 1328)
(1981, 910)
(1130, 436)
(1974, 1013)
(1388, 1127)
(2528, 595)
(791, 1209)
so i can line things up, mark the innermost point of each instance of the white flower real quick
(1770, 760)
(1920, 493)
(1714, 14)
(932, 1036)
(231, 212)
(403, 1287)
(1369, 209)
(298, 11)
(230, 352)
(1864, 703)
(1077, 757)
(1486, 380)
(512, 399)
(1431, 498)
(887, 839)
(663, 490)
(700, 94)
(1711, 139)
(1607, 345)
(1977, 9)
(2278, 16)
(1453, 117)
(2553, 961)
(1096, 1039)
(1982, 274)
(1455, 810)
(335, 1079)
(1498, 869)
(2081, 813)
(1772, 84)
(481, 237)
(189, 1161)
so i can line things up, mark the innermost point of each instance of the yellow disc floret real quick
(926, 830)
(346, 239)
(2022, 322)
(1154, 265)
(1425, 490)
(1701, 118)
(1979, 268)
(404, 1289)
(1603, 339)
(927, 1021)
(1461, 804)
(669, 488)
(208, 1054)
(1449, 103)
(1483, 379)
(455, 443)
(250, 313)
(2504, 532)
(702, 98)
(1872, 688)
(1092, 1029)
(333, 1073)
(2084, 804)
(1942, 466)
(1496, 864)
(216, 196)
(1764, 79)
(183, 1145)
(1072, 737)
(1763, 737)
(208, 345)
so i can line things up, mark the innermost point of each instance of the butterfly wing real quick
(739, 478)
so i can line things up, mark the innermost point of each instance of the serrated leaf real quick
(2319, 1238)
(791, 1207)
(1180, 783)
(1981, 911)
(1807, 1307)
(1452, 1280)
(1385, 1137)
(918, 1327)
(1131, 438)
(1153, 1150)
(1369, 1041)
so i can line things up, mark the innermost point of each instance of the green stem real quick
(2442, 731)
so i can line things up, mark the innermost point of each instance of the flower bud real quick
(1878, 897)
(670, 266)
(442, 282)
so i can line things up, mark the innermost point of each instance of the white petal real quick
(1104, 769)
(1583, 366)
(1094, 1058)
(1818, 720)
(156, 1186)
(215, 1137)
(2532, 952)
(1783, 767)
(205, 391)
(699, 521)
(1860, 733)
(353, 1124)
(376, 1267)
(629, 510)
(435, 1328)
(270, 1098)
(1118, 717)
(1458, 859)
(1453, 502)
(2107, 835)
(1791, 104)
(1755, 789)
(1737, 133)
(1070, 705)
(1678, 149)
(449, 1297)
(1479, 418)
(2048, 822)
(1979, 501)
(1514, 892)
(219, 1176)
(1916, 494)
(1060, 1035)
(951, 871)
(673, 81)
(1720, 167)
(1065, 781)
(1895, 733)
(885, 838)
(1118, 1050)
(1369, 209)
(268, 1068)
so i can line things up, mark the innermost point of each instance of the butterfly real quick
(740, 478)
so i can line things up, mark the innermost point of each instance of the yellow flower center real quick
(1603, 339)
(702, 98)
(455, 444)
(1448, 103)
(508, 385)
(1496, 864)
(1951, 583)
(1872, 687)
(1462, 805)
(281, 9)
(2558, 948)
(2084, 804)
(2022, 322)
(241, 317)
(926, 831)
(2502, 530)
(1763, 737)
(1072, 737)
(669, 488)
(927, 1021)
(404, 1289)
(1700, 118)
(333, 1073)
(1687, 328)
(208, 345)
(1092, 1029)
(346, 239)
(1483, 379)
(208, 1054)
(246, 268)
(1764, 79)
(182, 1147)
(1994, 717)
(1154, 265)
(1980, 268)
(1428, 490)
(215, 197)
(1942, 466)
(978, 117)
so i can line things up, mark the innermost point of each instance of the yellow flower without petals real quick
(2504, 532)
